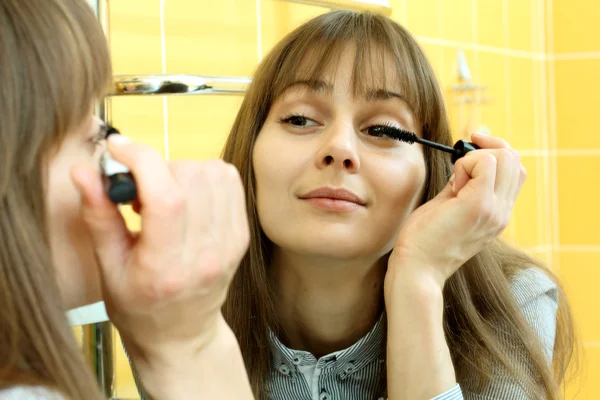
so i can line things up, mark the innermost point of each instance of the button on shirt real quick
(345, 374)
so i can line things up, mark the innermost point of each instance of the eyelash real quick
(288, 118)
(382, 135)
(100, 136)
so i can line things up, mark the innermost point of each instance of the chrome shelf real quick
(131, 85)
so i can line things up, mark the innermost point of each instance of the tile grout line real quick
(537, 92)
(537, 249)
(507, 98)
(440, 18)
(481, 48)
(507, 76)
(555, 211)
(259, 49)
(531, 55)
(543, 163)
(404, 11)
(477, 62)
(568, 248)
(591, 55)
(163, 48)
(546, 152)
(546, 163)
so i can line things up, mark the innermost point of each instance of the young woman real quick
(375, 268)
(59, 233)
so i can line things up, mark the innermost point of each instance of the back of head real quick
(478, 294)
(54, 64)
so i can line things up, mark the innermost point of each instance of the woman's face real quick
(320, 140)
(71, 244)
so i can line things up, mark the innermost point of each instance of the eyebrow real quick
(324, 86)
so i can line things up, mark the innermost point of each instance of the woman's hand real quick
(472, 210)
(437, 238)
(164, 286)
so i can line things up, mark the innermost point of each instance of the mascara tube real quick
(120, 185)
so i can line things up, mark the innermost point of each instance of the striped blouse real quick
(353, 373)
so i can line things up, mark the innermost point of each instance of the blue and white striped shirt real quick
(353, 373)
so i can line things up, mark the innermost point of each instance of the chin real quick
(340, 247)
(335, 240)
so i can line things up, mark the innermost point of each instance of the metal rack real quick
(98, 342)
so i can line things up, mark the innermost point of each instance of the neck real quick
(326, 305)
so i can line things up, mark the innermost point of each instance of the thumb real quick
(105, 223)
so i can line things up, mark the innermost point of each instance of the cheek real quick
(399, 188)
(277, 164)
(71, 245)
(277, 167)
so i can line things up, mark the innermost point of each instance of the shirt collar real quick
(346, 361)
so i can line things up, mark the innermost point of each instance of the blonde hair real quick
(54, 62)
(478, 296)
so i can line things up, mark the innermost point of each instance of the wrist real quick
(160, 351)
(419, 363)
(420, 283)
(191, 372)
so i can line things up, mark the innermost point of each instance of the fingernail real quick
(118, 140)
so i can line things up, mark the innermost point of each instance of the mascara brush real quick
(460, 149)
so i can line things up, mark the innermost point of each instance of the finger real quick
(194, 178)
(522, 177)
(149, 169)
(489, 142)
(476, 171)
(201, 214)
(106, 225)
(508, 172)
(161, 200)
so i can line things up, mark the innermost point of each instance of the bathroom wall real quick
(532, 54)
(573, 65)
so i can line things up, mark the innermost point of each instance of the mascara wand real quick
(460, 149)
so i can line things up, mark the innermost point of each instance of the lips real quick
(334, 194)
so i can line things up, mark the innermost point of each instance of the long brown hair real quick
(54, 63)
(478, 297)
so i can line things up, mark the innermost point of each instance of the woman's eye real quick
(98, 140)
(298, 120)
(381, 131)
(376, 130)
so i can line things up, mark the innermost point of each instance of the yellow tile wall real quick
(522, 50)
(573, 53)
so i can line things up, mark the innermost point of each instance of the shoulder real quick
(30, 393)
(530, 284)
(537, 297)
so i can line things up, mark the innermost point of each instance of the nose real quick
(339, 149)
